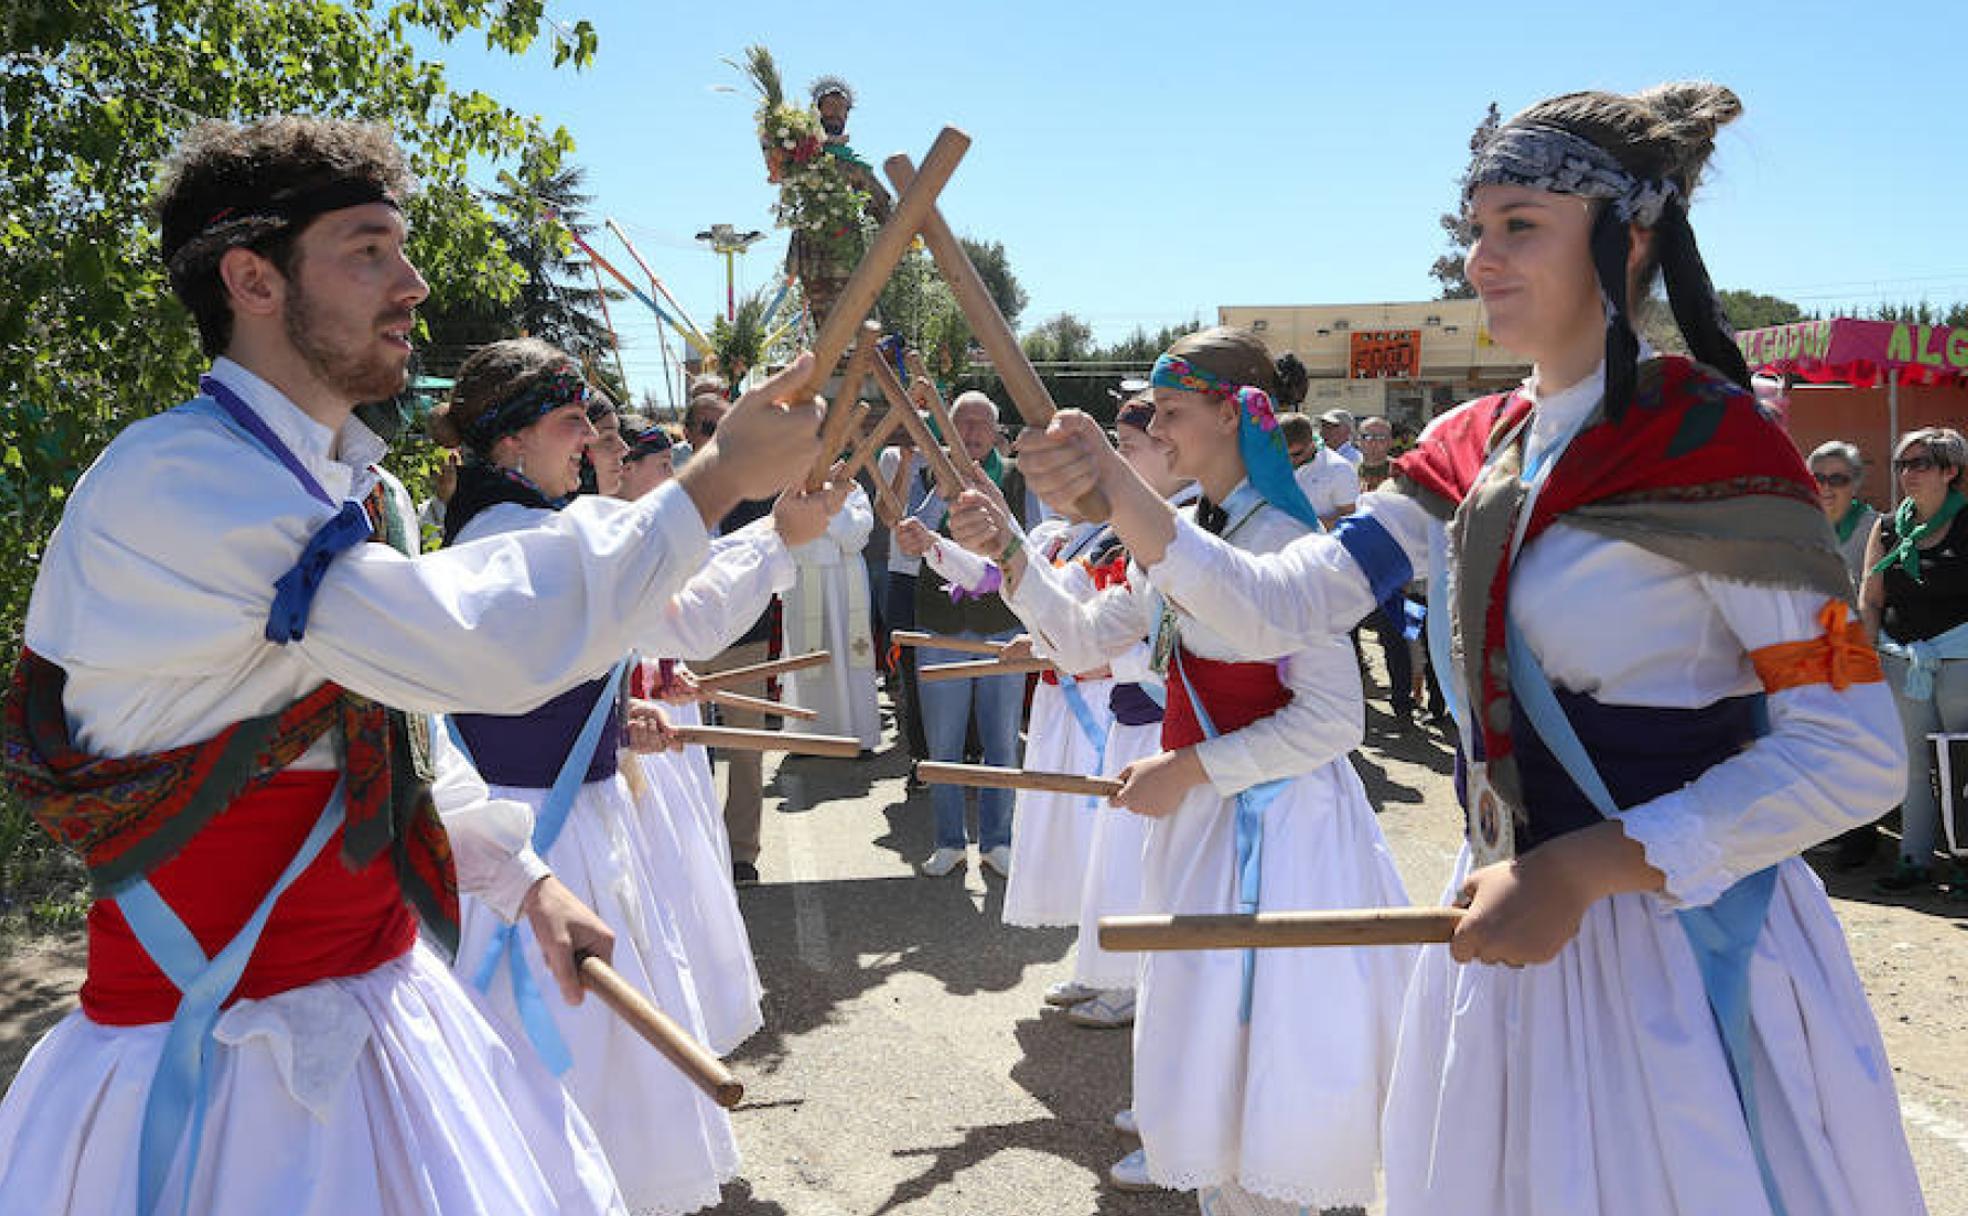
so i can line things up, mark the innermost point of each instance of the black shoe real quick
(744, 874)
(1856, 848)
(1905, 879)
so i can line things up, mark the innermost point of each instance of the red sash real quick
(333, 921)
(1235, 694)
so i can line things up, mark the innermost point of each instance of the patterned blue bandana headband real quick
(1540, 156)
(564, 387)
(1554, 160)
(1267, 462)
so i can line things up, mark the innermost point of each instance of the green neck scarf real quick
(1906, 554)
(1854, 512)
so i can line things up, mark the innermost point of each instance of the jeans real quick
(901, 612)
(947, 707)
(1947, 713)
(1400, 671)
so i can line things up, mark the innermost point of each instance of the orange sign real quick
(1385, 354)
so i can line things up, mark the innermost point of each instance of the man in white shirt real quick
(1336, 432)
(1330, 482)
(174, 567)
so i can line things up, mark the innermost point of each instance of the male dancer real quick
(198, 712)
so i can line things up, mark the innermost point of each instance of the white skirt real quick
(1595, 1084)
(691, 870)
(1287, 1107)
(1052, 834)
(386, 1093)
(1113, 874)
(670, 1145)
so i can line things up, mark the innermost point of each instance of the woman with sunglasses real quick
(1660, 703)
(1915, 601)
(1838, 471)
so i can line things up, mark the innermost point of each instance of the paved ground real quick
(909, 1067)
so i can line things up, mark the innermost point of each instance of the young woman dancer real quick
(1258, 1080)
(1662, 701)
(688, 846)
(519, 410)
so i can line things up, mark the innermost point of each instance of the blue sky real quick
(1147, 162)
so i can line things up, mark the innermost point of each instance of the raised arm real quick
(1317, 587)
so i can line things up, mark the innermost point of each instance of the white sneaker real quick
(1130, 1173)
(1126, 1124)
(999, 859)
(1110, 1010)
(942, 862)
(1068, 993)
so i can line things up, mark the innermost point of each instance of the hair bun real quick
(1686, 115)
(1294, 380)
(443, 428)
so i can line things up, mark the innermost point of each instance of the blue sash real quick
(1248, 835)
(174, 1110)
(534, 1015)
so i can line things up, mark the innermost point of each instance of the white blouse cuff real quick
(1677, 841)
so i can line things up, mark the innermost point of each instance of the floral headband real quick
(563, 387)
(1173, 371)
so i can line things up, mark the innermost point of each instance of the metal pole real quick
(1893, 425)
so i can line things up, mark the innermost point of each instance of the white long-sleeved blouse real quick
(154, 592)
(1324, 719)
(1613, 621)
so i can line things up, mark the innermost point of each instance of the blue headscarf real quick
(1267, 462)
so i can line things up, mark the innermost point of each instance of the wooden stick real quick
(758, 705)
(871, 446)
(887, 505)
(939, 641)
(940, 466)
(692, 1058)
(1265, 930)
(758, 672)
(1028, 393)
(983, 667)
(732, 738)
(847, 411)
(884, 254)
(959, 454)
(983, 776)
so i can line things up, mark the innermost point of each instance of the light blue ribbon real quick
(180, 1088)
(1924, 659)
(1248, 834)
(535, 1016)
(1722, 935)
(1091, 728)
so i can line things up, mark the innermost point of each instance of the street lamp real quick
(730, 242)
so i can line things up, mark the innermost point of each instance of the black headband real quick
(286, 209)
(563, 387)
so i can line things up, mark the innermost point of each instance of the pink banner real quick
(1862, 353)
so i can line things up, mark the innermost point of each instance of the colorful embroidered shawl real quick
(1695, 472)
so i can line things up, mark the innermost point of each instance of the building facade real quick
(1405, 361)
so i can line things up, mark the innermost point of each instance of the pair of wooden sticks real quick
(995, 664)
(916, 214)
(1228, 931)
